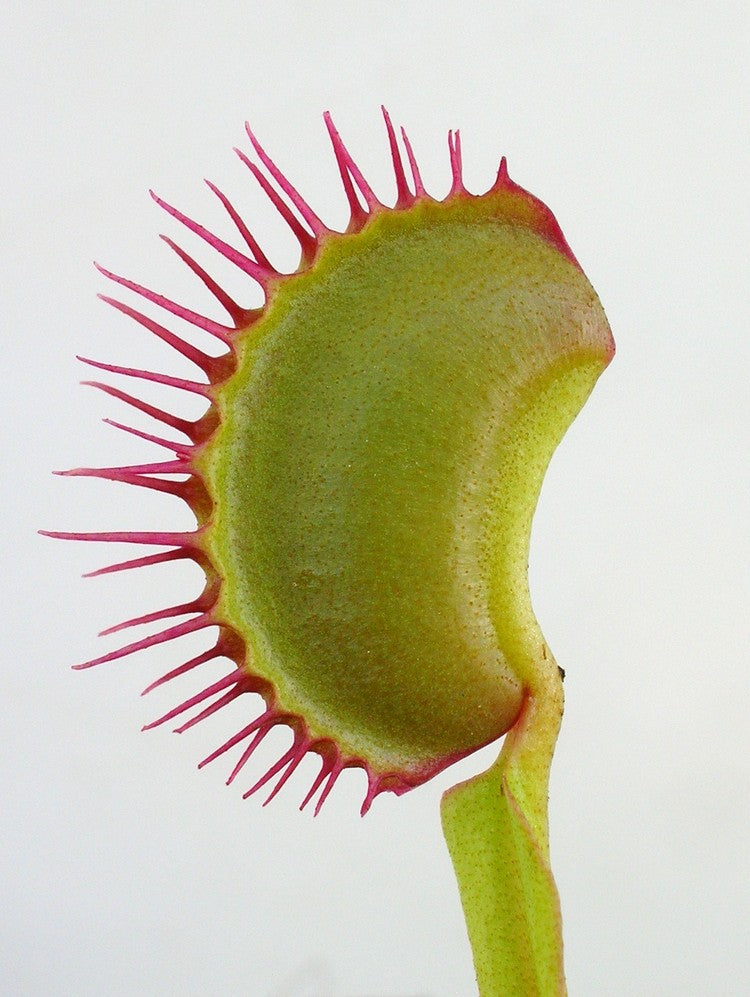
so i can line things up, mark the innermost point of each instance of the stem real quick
(495, 826)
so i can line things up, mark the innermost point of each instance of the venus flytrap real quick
(363, 482)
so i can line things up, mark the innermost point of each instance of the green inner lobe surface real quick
(366, 466)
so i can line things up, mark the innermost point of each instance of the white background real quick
(124, 871)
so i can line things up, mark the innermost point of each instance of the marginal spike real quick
(184, 609)
(180, 630)
(200, 659)
(308, 242)
(373, 788)
(345, 160)
(184, 426)
(454, 145)
(318, 227)
(242, 228)
(196, 356)
(149, 375)
(333, 775)
(259, 736)
(239, 736)
(179, 554)
(358, 214)
(503, 178)
(252, 268)
(184, 450)
(232, 679)
(202, 604)
(299, 751)
(187, 489)
(277, 766)
(328, 760)
(237, 313)
(208, 325)
(228, 697)
(404, 196)
(419, 188)
(178, 466)
(129, 537)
